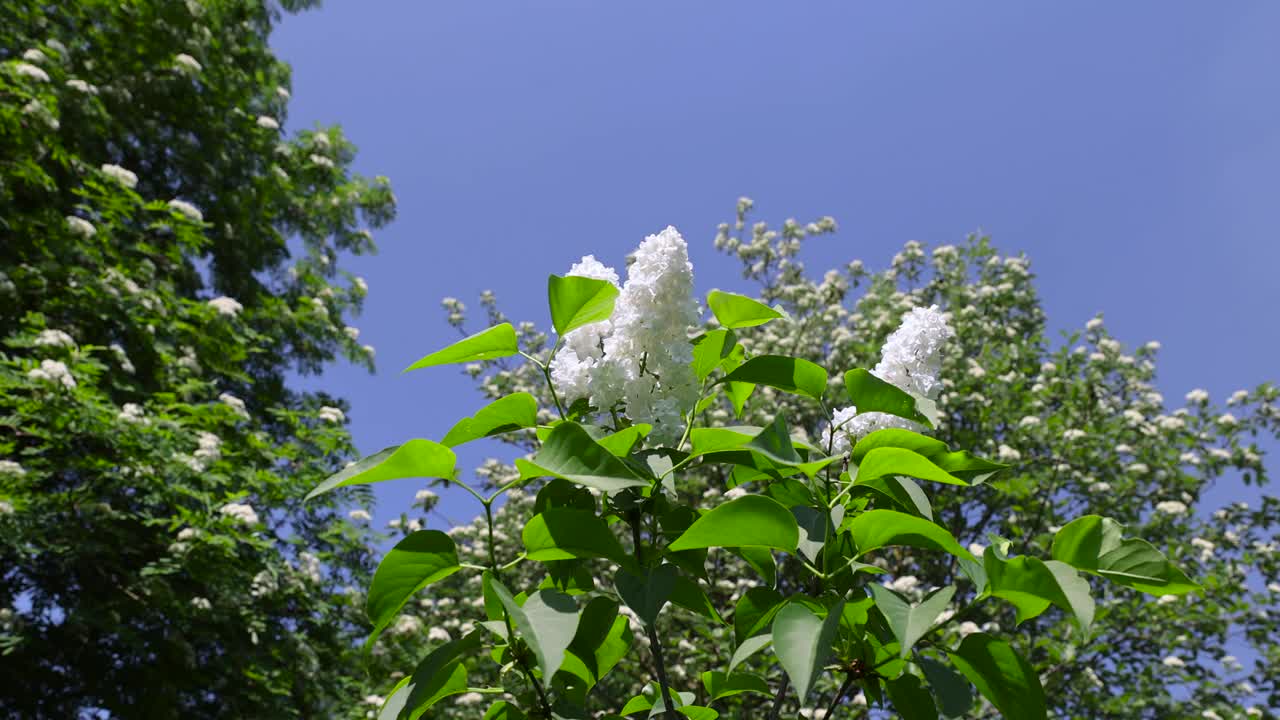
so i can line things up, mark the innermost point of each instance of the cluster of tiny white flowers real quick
(640, 357)
(186, 209)
(200, 603)
(425, 498)
(125, 177)
(1171, 507)
(321, 160)
(360, 515)
(582, 349)
(309, 567)
(28, 70)
(226, 306)
(331, 414)
(82, 86)
(81, 227)
(406, 625)
(911, 360)
(240, 511)
(1197, 397)
(267, 122)
(133, 413)
(53, 371)
(234, 403)
(53, 338)
(264, 583)
(10, 467)
(187, 63)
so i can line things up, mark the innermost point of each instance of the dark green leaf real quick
(439, 675)
(689, 595)
(747, 648)
(646, 594)
(911, 699)
(1002, 676)
(720, 685)
(710, 350)
(496, 342)
(953, 693)
(754, 611)
(577, 301)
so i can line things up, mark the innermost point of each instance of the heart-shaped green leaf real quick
(577, 301)
(513, 412)
(749, 521)
(422, 558)
(803, 642)
(739, 311)
(910, 621)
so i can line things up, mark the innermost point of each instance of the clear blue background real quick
(1131, 149)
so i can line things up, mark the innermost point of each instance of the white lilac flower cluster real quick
(641, 356)
(240, 511)
(186, 209)
(226, 306)
(53, 371)
(121, 175)
(910, 360)
(331, 414)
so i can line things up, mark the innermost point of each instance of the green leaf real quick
(710, 350)
(719, 685)
(503, 710)
(761, 560)
(496, 342)
(739, 311)
(803, 642)
(621, 442)
(571, 454)
(417, 458)
(749, 521)
(960, 463)
(953, 693)
(1032, 585)
(754, 611)
(881, 528)
(440, 674)
(1096, 544)
(691, 596)
(747, 648)
(774, 442)
(422, 558)
(911, 699)
(577, 301)
(547, 622)
(903, 491)
(909, 622)
(1002, 676)
(871, 394)
(648, 593)
(513, 412)
(815, 524)
(566, 533)
(602, 639)
(899, 438)
(794, 375)
(883, 461)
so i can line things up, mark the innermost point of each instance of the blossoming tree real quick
(713, 522)
(154, 559)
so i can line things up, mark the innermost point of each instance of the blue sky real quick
(1131, 149)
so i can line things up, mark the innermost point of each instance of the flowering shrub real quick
(638, 502)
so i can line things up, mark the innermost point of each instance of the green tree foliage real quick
(167, 257)
(974, 594)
